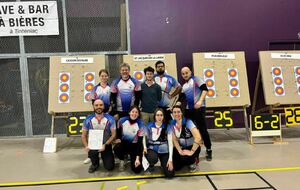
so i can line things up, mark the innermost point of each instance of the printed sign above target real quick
(225, 76)
(71, 81)
(280, 71)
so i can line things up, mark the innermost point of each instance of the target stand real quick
(71, 80)
(279, 73)
(138, 62)
(226, 79)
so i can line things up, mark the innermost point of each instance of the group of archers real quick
(137, 121)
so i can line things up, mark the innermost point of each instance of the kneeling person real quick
(100, 121)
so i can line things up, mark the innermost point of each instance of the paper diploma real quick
(95, 139)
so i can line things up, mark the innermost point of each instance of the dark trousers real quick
(180, 161)
(198, 117)
(123, 148)
(167, 112)
(107, 157)
(152, 157)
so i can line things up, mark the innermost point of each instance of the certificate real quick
(95, 141)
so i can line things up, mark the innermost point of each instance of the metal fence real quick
(86, 27)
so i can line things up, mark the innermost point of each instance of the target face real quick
(89, 86)
(89, 77)
(87, 97)
(297, 70)
(279, 90)
(208, 73)
(64, 87)
(138, 75)
(64, 97)
(64, 77)
(210, 93)
(232, 73)
(209, 83)
(278, 80)
(234, 92)
(276, 71)
(233, 82)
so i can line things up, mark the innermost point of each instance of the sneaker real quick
(93, 168)
(208, 155)
(193, 167)
(122, 165)
(87, 161)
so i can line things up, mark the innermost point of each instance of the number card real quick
(223, 119)
(265, 125)
(292, 116)
(75, 125)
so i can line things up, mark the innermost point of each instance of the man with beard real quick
(194, 92)
(166, 82)
(105, 122)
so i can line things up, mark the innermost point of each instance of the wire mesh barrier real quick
(85, 27)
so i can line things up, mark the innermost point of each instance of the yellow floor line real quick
(12, 184)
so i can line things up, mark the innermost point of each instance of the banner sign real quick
(28, 18)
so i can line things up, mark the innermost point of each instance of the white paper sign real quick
(28, 18)
(149, 57)
(219, 55)
(81, 60)
(50, 145)
(95, 141)
(285, 56)
(145, 163)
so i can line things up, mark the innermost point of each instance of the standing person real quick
(186, 139)
(166, 82)
(130, 140)
(102, 90)
(159, 145)
(125, 92)
(100, 121)
(151, 96)
(194, 92)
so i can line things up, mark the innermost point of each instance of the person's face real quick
(124, 71)
(177, 114)
(149, 76)
(134, 114)
(103, 77)
(186, 74)
(98, 106)
(160, 68)
(159, 116)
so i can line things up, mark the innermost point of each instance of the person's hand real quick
(145, 151)
(170, 165)
(137, 162)
(103, 148)
(86, 149)
(117, 141)
(170, 96)
(116, 116)
(188, 152)
(181, 152)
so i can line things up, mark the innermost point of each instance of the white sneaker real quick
(193, 167)
(122, 165)
(87, 161)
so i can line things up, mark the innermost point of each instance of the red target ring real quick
(211, 93)
(208, 73)
(278, 80)
(64, 97)
(64, 87)
(297, 70)
(234, 92)
(64, 77)
(276, 71)
(209, 83)
(233, 82)
(89, 86)
(89, 77)
(232, 72)
(298, 80)
(279, 90)
(87, 97)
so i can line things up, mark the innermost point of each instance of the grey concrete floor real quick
(236, 165)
